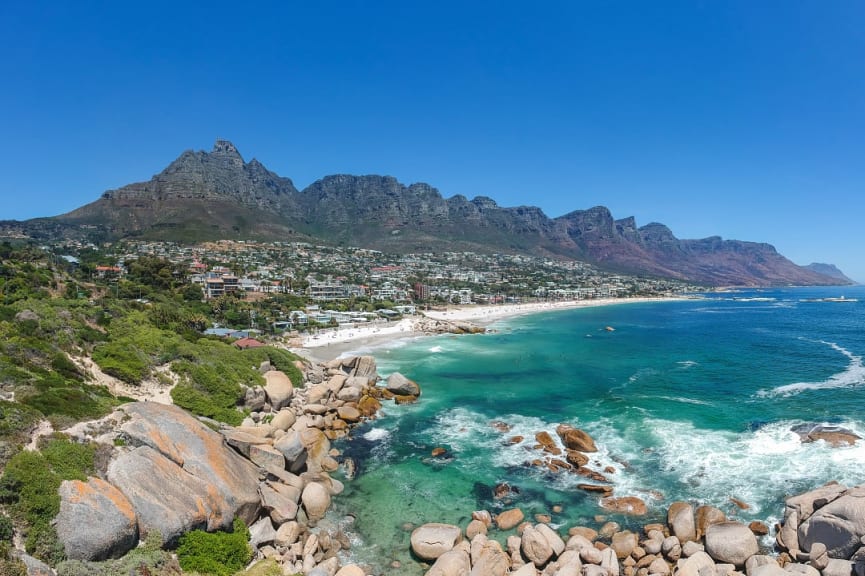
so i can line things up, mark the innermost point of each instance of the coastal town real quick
(300, 288)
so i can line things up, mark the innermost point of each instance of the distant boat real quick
(839, 299)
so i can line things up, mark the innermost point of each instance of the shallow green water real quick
(686, 400)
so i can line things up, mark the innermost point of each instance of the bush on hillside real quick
(29, 487)
(216, 553)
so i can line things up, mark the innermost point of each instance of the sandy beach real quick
(484, 315)
(333, 343)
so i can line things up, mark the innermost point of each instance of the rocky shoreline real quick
(171, 473)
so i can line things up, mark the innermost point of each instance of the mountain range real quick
(218, 195)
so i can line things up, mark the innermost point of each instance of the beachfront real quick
(332, 343)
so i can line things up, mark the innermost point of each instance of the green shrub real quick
(6, 528)
(29, 486)
(217, 553)
(148, 558)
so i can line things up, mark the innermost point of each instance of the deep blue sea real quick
(687, 400)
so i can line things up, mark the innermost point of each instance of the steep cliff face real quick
(216, 194)
(199, 195)
(830, 270)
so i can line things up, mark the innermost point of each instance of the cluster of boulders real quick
(170, 473)
(823, 535)
(826, 529)
(432, 326)
(568, 451)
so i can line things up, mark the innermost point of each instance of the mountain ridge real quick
(217, 195)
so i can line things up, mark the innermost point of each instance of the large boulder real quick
(166, 498)
(231, 480)
(488, 558)
(576, 439)
(401, 386)
(840, 525)
(680, 518)
(454, 562)
(731, 543)
(805, 504)
(624, 505)
(364, 366)
(281, 507)
(623, 543)
(316, 500)
(535, 547)
(509, 518)
(278, 388)
(293, 450)
(96, 521)
(706, 516)
(695, 564)
(429, 541)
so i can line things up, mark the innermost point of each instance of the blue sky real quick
(739, 118)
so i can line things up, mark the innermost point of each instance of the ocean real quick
(692, 400)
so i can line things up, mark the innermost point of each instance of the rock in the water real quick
(316, 501)
(278, 388)
(680, 518)
(834, 436)
(231, 480)
(840, 525)
(624, 505)
(706, 516)
(576, 439)
(401, 386)
(731, 543)
(509, 518)
(96, 521)
(430, 541)
(348, 413)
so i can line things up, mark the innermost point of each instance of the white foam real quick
(756, 467)
(435, 349)
(852, 376)
(685, 364)
(376, 434)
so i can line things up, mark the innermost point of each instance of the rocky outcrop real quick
(217, 195)
(178, 436)
(278, 388)
(172, 474)
(96, 521)
(430, 541)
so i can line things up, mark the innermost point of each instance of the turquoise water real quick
(692, 399)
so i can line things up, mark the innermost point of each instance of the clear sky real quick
(744, 119)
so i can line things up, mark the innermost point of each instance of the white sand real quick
(344, 339)
(485, 314)
(327, 337)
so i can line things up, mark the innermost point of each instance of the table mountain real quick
(201, 195)
(216, 195)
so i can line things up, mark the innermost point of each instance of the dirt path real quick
(43, 429)
(154, 389)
